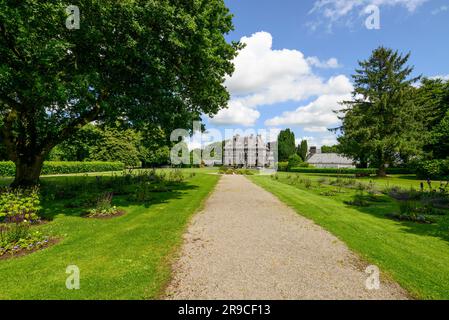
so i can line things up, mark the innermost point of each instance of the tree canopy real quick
(382, 123)
(330, 149)
(160, 63)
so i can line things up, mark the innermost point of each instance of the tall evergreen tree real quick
(286, 145)
(382, 124)
(303, 149)
(432, 97)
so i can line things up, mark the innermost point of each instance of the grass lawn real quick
(126, 257)
(402, 181)
(415, 255)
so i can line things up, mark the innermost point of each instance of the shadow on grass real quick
(381, 207)
(68, 207)
(439, 229)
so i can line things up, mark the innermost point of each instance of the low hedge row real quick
(8, 169)
(368, 171)
(334, 170)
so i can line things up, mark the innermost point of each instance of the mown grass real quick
(415, 255)
(127, 257)
(402, 181)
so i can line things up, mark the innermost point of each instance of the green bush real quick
(433, 169)
(294, 161)
(19, 205)
(283, 166)
(104, 207)
(17, 237)
(7, 169)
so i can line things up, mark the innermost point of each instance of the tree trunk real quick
(28, 171)
(382, 172)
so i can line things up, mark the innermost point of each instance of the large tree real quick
(286, 144)
(432, 97)
(302, 150)
(382, 125)
(160, 63)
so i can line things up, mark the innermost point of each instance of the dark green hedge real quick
(334, 170)
(7, 169)
(368, 171)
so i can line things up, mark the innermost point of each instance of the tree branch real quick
(10, 43)
(75, 125)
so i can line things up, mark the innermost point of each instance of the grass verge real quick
(415, 255)
(127, 257)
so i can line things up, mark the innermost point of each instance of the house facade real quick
(328, 160)
(248, 152)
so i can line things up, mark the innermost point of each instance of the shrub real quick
(294, 161)
(18, 236)
(18, 205)
(283, 166)
(104, 207)
(142, 193)
(358, 201)
(8, 169)
(176, 176)
(433, 169)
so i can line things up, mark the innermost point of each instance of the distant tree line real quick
(115, 143)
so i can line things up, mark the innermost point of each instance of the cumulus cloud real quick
(258, 67)
(238, 114)
(316, 116)
(265, 76)
(327, 140)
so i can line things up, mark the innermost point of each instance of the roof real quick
(333, 158)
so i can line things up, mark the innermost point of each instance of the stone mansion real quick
(249, 152)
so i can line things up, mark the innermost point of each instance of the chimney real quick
(313, 150)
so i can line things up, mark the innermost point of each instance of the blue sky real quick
(300, 55)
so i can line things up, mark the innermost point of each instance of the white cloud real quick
(442, 77)
(265, 76)
(315, 129)
(314, 117)
(327, 140)
(332, 63)
(258, 67)
(335, 10)
(238, 114)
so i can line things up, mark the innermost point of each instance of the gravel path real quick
(246, 244)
